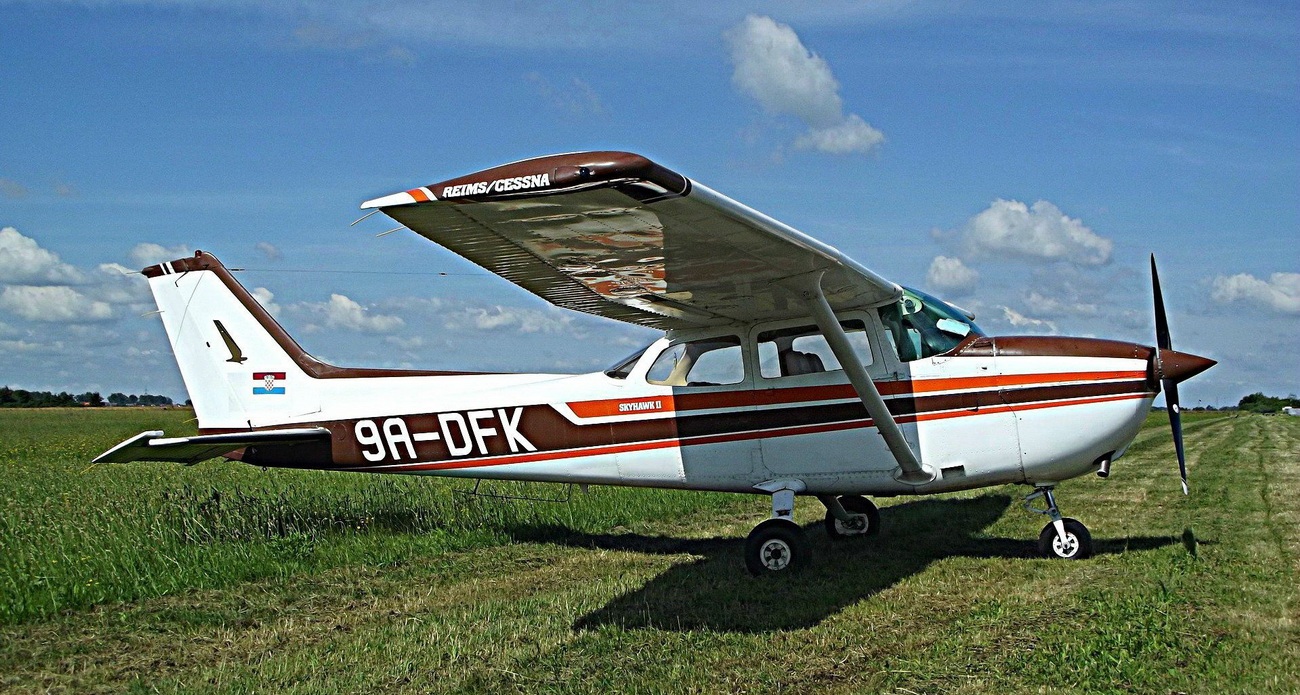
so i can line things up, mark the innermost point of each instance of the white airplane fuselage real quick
(992, 410)
(978, 420)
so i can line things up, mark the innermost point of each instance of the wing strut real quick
(910, 470)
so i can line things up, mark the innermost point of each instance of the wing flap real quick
(152, 446)
(630, 240)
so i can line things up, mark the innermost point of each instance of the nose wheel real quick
(1075, 543)
(1062, 538)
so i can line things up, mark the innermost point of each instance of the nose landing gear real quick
(1062, 538)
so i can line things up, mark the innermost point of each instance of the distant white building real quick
(1291, 411)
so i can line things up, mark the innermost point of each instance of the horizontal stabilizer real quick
(152, 446)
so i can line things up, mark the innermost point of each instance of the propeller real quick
(1168, 383)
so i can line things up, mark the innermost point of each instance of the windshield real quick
(921, 326)
(623, 367)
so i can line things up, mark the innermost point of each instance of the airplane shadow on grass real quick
(716, 593)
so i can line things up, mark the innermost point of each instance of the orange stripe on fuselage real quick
(777, 396)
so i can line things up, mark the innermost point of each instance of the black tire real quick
(776, 547)
(853, 504)
(1077, 545)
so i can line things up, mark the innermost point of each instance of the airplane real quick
(786, 368)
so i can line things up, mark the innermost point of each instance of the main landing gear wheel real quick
(865, 523)
(1076, 544)
(776, 546)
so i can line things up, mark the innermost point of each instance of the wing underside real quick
(616, 235)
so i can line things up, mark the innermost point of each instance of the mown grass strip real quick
(76, 535)
(949, 599)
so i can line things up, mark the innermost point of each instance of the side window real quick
(804, 350)
(708, 362)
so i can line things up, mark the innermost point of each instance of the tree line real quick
(22, 398)
(1259, 403)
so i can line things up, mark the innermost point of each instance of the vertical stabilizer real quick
(240, 367)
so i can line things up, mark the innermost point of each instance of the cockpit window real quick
(921, 326)
(708, 362)
(623, 367)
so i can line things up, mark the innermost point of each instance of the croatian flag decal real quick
(268, 385)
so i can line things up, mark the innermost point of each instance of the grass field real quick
(223, 577)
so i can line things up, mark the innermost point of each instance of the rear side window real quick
(804, 350)
(708, 362)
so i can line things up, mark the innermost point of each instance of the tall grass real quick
(74, 535)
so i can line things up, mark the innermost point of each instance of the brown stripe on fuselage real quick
(1051, 346)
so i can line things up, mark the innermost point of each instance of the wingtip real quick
(402, 198)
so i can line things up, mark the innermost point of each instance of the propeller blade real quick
(1170, 386)
(1162, 322)
(1176, 424)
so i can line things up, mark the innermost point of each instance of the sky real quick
(1021, 160)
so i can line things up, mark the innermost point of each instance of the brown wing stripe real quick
(558, 173)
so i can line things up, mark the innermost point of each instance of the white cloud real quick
(116, 284)
(1040, 303)
(410, 343)
(269, 250)
(267, 299)
(851, 135)
(510, 318)
(52, 304)
(23, 261)
(343, 312)
(1019, 320)
(1040, 232)
(12, 189)
(774, 67)
(1281, 292)
(147, 253)
(20, 346)
(577, 98)
(371, 44)
(951, 275)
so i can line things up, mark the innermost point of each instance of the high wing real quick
(616, 235)
(152, 446)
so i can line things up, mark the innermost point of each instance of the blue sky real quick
(1021, 160)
